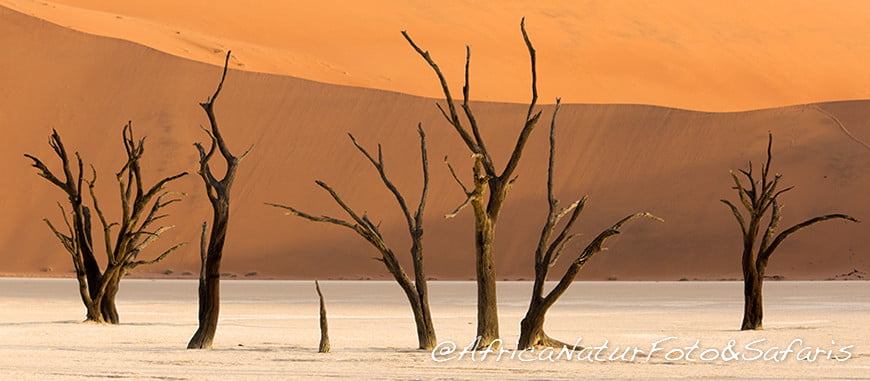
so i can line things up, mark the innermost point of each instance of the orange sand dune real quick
(700, 55)
(628, 158)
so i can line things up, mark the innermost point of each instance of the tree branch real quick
(738, 216)
(203, 249)
(295, 212)
(552, 255)
(531, 120)
(45, 172)
(161, 257)
(593, 248)
(532, 58)
(764, 256)
(65, 240)
(765, 170)
(744, 196)
(460, 207)
(453, 117)
(107, 227)
(551, 164)
(424, 160)
(775, 218)
(208, 106)
(379, 166)
(487, 160)
(455, 177)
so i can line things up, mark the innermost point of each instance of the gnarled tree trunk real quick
(209, 282)
(487, 298)
(752, 306)
(425, 327)
(211, 251)
(107, 304)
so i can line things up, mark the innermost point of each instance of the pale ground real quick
(268, 330)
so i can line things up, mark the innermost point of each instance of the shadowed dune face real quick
(672, 163)
(720, 56)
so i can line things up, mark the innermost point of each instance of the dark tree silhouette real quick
(757, 199)
(491, 186)
(417, 291)
(141, 208)
(211, 249)
(550, 249)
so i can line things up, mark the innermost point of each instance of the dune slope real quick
(627, 158)
(720, 56)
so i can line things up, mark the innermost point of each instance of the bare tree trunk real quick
(209, 283)
(100, 310)
(423, 320)
(422, 314)
(324, 346)
(419, 300)
(752, 279)
(532, 333)
(94, 313)
(487, 300)
(218, 192)
(425, 328)
(532, 326)
(83, 225)
(93, 274)
(752, 306)
(107, 305)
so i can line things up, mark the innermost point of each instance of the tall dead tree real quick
(211, 250)
(550, 249)
(491, 186)
(417, 291)
(141, 207)
(757, 199)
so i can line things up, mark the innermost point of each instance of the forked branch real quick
(594, 247)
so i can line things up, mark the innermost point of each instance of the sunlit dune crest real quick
(700, 55)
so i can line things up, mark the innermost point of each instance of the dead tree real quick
(417, 291)
(550, 249)
(211, 250)
(324, 329)
(141, 207)
(491, 186)
(757, 199)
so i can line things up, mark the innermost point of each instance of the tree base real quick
(751, 327)
(198, 345)
(543, 341)
(485, 343)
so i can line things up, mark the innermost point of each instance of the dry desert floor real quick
(269, 330)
